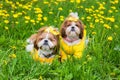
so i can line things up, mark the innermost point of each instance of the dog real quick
(73, 34)
(44, 45)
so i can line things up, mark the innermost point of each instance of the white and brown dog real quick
(44, 45)
(72, 41)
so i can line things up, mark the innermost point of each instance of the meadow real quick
(21, 18)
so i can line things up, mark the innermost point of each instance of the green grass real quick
(101, 57)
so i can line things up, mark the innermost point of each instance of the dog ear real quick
(41, 30)
(81, 29)
(62, 31)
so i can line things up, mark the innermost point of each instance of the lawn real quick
(21, 18)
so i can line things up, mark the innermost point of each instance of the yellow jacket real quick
(36, 57)
(76, 50)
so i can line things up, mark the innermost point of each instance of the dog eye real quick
(68, 25)
(76, 25)
(40, 38)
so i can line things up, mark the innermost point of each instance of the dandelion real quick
(72, 1)
(13, 47)
(110, 38)
(27, 17)
(16, 22)
(45, 2)
(15, 15)
(12, 55)
(50, 12)
(88, 17)
(61, 18)
(116, 26)
(39, 18)
(40, 15)
(6, 28)
(40, 78)
(91, 25)
(110, 11)
(96, 20)
(45, 18)
(41, 23)
(82, 18)
(78, 1)
(60, 8)
(93, 33)
(70, 11)
(26, 21)
(107, 26)
(6, 21)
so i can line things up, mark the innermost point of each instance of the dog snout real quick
(45, 42)
(72, 28)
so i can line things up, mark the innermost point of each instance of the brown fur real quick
(67, 23)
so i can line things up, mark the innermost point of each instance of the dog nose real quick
(72, 28)
(45, 41)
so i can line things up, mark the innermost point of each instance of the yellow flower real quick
(61, 18)
(39, 15)
(15, 15)
(96, 20)
(116, 26)
(27, 17)
(113, 7)
(88, 17)
(72, 1)
(16, 22)
(77, 1)
(32, 21)
(107, 26)
(6, 21)
(38, 10)
(110, 11)
(6, 28)
(91, 25)
(40, 78)
(39, 18)
(110, 38)
(45, 18)
(93, 33)
(13, 47)
(45, 2)
(50, 12)
(12, 55)
(26, 21)
(82, 18)
(42, 23)
(70, 11)
(60, 8)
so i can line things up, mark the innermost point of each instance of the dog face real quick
(46, 41)
(73, 29)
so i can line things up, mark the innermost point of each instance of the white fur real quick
(41, 53)
(72, 34)
(29, 47)
(41, 44)
(74, 14)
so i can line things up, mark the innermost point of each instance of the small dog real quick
(44, 45)
(73, 34)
